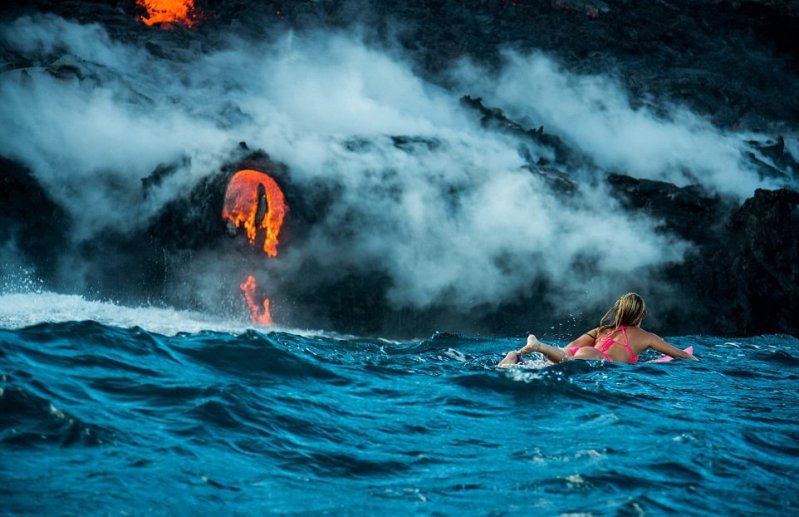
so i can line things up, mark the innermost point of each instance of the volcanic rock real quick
(757, 269)
(689, 212)
(736, 63)
(32, 224)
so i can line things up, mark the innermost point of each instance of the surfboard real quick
(666, 358)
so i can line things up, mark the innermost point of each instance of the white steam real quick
(90, 137)
(452, 217)
(594, 114)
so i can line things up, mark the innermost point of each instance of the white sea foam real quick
(19, 310)
(22, 309)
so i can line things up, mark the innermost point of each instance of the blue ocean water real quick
(101, 418)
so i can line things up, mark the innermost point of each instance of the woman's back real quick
(622, 344)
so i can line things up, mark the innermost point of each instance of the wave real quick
(217, 410)
(780, 357)
(18, 310)
(29, 420)
(253, 353)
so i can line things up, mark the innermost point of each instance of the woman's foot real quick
(533, 345)
(552, 353)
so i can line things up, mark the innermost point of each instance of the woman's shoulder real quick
(643, 334)
(594, 332)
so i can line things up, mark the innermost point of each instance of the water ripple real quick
(331, 423)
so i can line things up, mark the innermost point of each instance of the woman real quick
(618, 338)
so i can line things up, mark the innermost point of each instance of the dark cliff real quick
(734, 63)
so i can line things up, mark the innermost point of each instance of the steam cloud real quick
(453, 217)
(593, 114)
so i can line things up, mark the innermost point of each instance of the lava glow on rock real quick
(253, 200)
(169, 11)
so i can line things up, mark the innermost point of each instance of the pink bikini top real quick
(609, 342)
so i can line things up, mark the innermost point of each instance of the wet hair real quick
(629, 310)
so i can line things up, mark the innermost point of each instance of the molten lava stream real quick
(258, 317)
(253, 200)
(169, 11)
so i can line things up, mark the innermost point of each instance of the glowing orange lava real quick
(253, 200)
(169, 11)
(258, 317)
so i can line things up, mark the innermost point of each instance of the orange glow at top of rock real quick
(253, 200)
(169, 11)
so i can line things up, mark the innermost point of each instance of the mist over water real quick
(452, 214)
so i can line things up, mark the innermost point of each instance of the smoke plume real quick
(446, 207)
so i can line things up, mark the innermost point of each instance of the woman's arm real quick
(664, 348)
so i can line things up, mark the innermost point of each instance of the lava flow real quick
(169, 11)
(254, 200)
(257, 316)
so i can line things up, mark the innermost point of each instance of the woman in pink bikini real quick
(618, 338)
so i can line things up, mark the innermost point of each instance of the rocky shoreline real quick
(734, 62)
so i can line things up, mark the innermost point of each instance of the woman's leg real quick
(509, 360)
(553, 353)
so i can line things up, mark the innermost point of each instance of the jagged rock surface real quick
(740, 275)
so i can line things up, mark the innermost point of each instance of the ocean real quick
(112, 410)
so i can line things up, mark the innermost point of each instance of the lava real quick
(169, 11)
(253, 200)
(256, 314)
